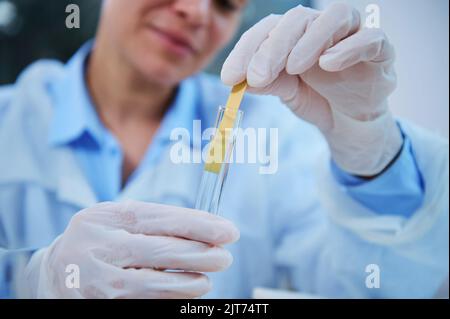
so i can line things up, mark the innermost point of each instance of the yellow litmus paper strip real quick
(217, 148)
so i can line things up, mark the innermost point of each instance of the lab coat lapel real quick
(166, 182)
(72, 186)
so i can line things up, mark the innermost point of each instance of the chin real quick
(160, 71)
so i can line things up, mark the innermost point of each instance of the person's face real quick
(168, 40)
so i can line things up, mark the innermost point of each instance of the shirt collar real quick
(74, 112)
(75, 115)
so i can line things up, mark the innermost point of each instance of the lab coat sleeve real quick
(332, 245)
(401, 180)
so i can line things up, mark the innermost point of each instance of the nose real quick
(196, 12)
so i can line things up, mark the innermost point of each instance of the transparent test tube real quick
(212, 183)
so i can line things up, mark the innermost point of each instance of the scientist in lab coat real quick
(358, 206)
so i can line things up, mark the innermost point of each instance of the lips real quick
(175, 41)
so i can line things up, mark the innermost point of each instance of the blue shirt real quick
(76, 124)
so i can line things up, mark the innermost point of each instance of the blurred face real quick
(167, 40)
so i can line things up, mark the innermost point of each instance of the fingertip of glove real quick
(292, 67)
(231, 233)
(227, 261)
(256, 80)
(230, 77)
(328, 63)
(235, 234)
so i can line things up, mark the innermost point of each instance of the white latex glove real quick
(123, 249)
(329, 72)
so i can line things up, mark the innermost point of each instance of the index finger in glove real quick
(234, 69)
(163, 220)
(271, 57)
(337, 22)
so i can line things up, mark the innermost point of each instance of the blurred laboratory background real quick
(419, 29)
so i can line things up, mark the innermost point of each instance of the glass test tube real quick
(212, 183)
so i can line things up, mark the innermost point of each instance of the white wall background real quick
(419, 29)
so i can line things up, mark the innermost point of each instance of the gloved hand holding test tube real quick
(219, 153)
